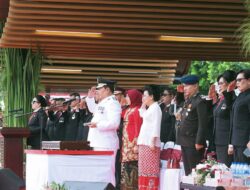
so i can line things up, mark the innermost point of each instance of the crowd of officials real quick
(134, 124)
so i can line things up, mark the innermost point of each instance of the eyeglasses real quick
(33, 102)
(239, 79)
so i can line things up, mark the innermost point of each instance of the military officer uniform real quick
(107, 116)
(192, 128)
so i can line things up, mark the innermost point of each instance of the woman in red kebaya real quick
(131, 128)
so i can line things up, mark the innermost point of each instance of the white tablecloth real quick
(42, 169)
(170, 178)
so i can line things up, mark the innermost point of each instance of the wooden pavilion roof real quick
(129, 49)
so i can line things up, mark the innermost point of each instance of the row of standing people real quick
(190, 125)
(140, 147)
(230, 126)
(231, 130)
(59, 122)
(221, 119)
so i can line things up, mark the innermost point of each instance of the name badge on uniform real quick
(101, 109)
(224, 106)
(61, 120)
(73, 116)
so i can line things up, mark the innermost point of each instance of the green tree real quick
(208, 71)
(244, 31)
(20, 79)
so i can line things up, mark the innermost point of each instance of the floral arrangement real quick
(207, 170)
(204, 170)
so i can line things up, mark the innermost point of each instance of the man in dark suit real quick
(192, 124)
(56, 120)
(168, 118)
(240, 123)
(73, 117)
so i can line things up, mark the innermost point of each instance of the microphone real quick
(16, 110)
(69, 101)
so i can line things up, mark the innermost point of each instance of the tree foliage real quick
(243, 32)
(19, 81)
(208, 71)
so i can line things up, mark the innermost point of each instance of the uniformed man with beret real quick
(106, 120)
(192, 124)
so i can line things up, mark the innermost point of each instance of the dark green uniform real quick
(191, 130)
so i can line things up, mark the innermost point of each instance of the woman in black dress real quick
(222, 110)
(37, 123)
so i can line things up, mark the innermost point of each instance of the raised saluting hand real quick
(231, 86)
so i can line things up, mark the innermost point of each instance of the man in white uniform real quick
(106, 120)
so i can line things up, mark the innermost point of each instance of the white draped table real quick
(170, 178)
(46, 166)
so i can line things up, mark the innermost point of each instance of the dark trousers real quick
(118, 169)
(222, 155)
(191, 157)
(239, 156)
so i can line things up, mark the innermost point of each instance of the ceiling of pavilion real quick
(129, 50)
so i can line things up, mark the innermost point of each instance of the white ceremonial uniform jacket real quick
(107, 116)
(91, 104)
